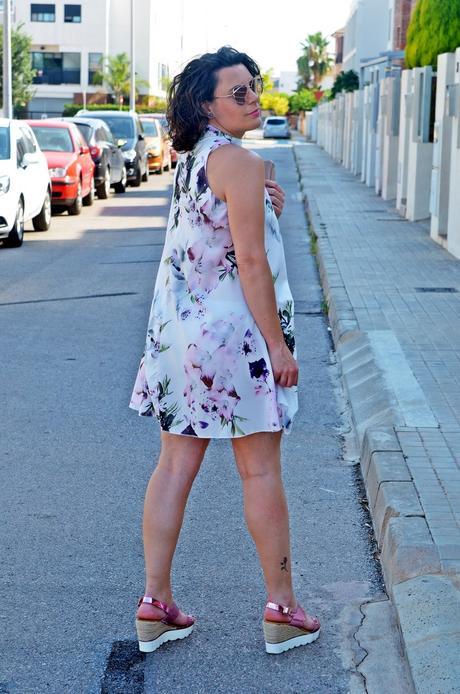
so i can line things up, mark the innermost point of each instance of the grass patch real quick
(325, 306)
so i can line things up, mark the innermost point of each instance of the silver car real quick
(276, 126)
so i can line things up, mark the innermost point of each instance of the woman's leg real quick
(266, 513)
(164, 506)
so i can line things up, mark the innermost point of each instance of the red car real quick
(70, 164)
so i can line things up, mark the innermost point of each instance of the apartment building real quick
(367, 32)
(70, 40)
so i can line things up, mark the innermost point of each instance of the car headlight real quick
(154, 150)
(58, 172)
(4, 184)
(129, 154)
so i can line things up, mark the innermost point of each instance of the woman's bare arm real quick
(237, 176)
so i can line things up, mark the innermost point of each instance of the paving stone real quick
(428, 609)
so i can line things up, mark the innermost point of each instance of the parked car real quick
(129, 135)
(165, 125)
(69, 161)
(276, 126)
(25, 186)
(110, 169)
(158, 151)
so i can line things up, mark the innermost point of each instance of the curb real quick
(409, 557)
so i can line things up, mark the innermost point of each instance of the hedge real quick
(434, 28)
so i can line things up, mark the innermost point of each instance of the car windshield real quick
(276, 121)
(122, 128)
(85, 130)
(5, 143)
(150, 127)
(53, 139)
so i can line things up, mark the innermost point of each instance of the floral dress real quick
(206, 370)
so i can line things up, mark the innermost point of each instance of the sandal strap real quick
(284, 609)
(171, 611)
(298, 616)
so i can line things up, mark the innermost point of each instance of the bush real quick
(345, 82)
(434, 28)
(277, 103)
(159, 106)
(303, 100)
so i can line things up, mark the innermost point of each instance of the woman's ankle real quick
(285, 598)
(161, 594)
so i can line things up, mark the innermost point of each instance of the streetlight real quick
(132, 90)
(7, 77)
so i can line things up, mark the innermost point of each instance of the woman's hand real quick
(276, 194)
(285, 368)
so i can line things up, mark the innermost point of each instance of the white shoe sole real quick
(173, 635)
(291, 643)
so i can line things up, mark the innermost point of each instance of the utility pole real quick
(7, 86)
(132, 91)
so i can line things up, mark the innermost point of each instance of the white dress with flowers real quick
(206, 370)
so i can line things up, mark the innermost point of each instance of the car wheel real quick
(16, 235)
(88, 200)
(43, 219)
(77, 204)
(137, 181)
(103, 189)
(120, 187)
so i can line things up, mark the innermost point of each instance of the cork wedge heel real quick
(152, 633)
(282, 636)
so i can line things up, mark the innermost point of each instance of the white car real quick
(276, 126)
(25, 186)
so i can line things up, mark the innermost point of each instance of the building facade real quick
(400, 14)
(367, 32)
(70, 41)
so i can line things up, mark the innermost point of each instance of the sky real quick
(270, 32)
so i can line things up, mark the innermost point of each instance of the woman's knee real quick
(181, 456)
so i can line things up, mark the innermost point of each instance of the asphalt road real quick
(74, 462)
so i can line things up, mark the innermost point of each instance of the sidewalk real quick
(393, 299)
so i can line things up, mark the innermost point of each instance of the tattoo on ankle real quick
(284, 564)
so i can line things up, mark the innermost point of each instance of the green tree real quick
(345, 82)
(21, 68)
(314, 62)
(434, 28)
(278, 103)
(303, 100)
(117, 75)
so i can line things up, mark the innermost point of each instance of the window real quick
(20, 150)
(53, 139)
(4, 143)
(56, 68)
(94, 68)
(121, 126)
(150, 127)
(42, 12)
(28, 140)
(72, 14)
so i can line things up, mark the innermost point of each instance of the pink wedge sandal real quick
(151, 633)
(281, 636)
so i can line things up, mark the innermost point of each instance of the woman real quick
(220, 353)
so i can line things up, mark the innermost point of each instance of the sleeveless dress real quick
(206, 370)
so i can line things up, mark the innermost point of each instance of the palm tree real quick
(117, 75)
(314, 62)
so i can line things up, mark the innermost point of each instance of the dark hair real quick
(195, 85)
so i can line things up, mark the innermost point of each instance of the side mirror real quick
(84, 150)
(27, 159)
(141, 137)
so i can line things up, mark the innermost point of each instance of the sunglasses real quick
(239, 92)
